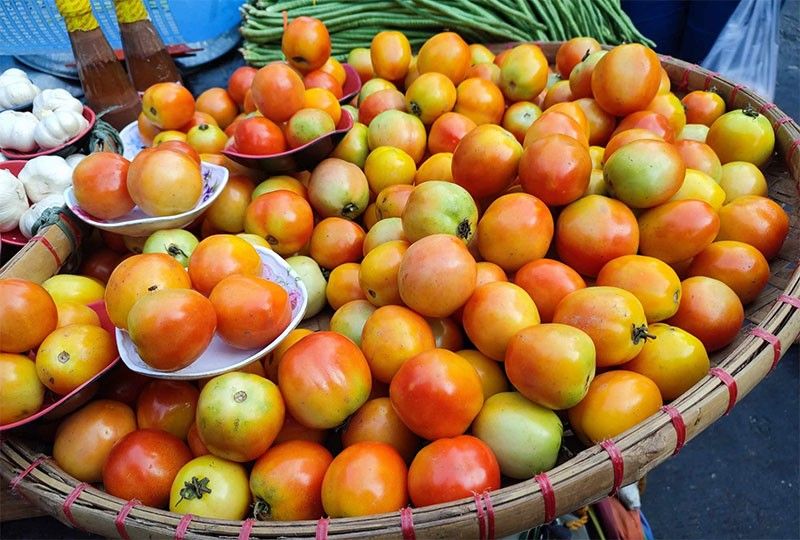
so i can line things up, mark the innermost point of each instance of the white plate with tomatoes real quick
(219, 357)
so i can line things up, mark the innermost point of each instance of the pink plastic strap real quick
(549, 496)
(17, 479)
(766, 107)
(119, 521)
(479, 512)
(793, 301)
(71, 498)
(780, 121)
(678, 424)
(771, 339)
(407, 524)
(684, 82)
(617, 463)
(730, 382)
(735, 91)
(183, 526)
(487, 500)
(322, 529)
(247, 527)
(709, 79)
(792, 148)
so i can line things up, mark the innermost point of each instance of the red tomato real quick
(239, 415)
(758, 221)
(485, 161)
(167, 405)
(572, 52)
(122, 384)
(377, 421)
(251, 311)
(259, 136)
(287, 481)
(649, 120)
(284, 218)
(143, 464)
(738, 265)
(364, 479)
(99, 264)
(376, 103)
(451, 469)
(240, 82)
(436, 394)
(703, 107)
(593, 230)
(101, 187)
(678, 230)
(277, 91)
(324, 378)
(171, 328)
(24, 302)
(306, 44)
(447, 130)
(168, 105)
(220, 256)
(321, 79)
(547, 281)
(556, 169)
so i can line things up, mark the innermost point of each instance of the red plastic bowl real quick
(14, 237)
(351, 86)
(302, 158)
(67, 149)
(56, 406)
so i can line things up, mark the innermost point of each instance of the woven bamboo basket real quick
(771, 326)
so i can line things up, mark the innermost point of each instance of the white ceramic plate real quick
(137, 223)
(220, 357)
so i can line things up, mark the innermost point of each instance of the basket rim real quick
(596, 471)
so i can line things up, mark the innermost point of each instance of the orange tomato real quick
(555, 122)
(430, 96)
(621, 138)
(677, 230)
(572, 52)
(700, 156)
(616, 401)
(556, 169)
(227, 212)
(518, 117)
(336, 241)
(168, 105)
(480, 100)
(75, 313)
(649, 120)
(447, 131)
(580, 78)
(436, 167)
(344, 284)
(219, 104)
(485, 162)
(703, 107)
(392, 335)
(548, 281)
(390, 53)
(28, 315)
(378, 273)
(671, 108)
(333, 67)
(558, 93)
(755, 220)
(220, 256)
(601, 123)
(377, 421)
(523, 73)
(306, 44)
(147, 129)
(240, 82)
(651, 280)
(277, 91)
(284, 218)
(493, 379)
(445, 53)
(447, 333)
(626, 79)
(484, 70)
(166, 183)
(325, 100)
(391, 201)
(272, 361)
(738, 265)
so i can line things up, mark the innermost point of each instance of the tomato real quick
(177, 243)
(601, 123)
(169, 135)
(309, 124)
(99, 264)
(259, 136)
(665, 85)
(74, 313)
(239, 415)
(675, 360)
(440, 207)
(592, 231)
(493, 380)
(387, 166)
(143, 464)
(240, 82)
(360, 58)
(349, 319)
(336, 241)
(147, 129)
(738, 178)
(400, 130)
(272, 361)
(678, 230)
(755, 220)
(626, 137)
(390, 336)
(437, 266)
(23, 302)
(287, 481)
(251, 311)
(166, 183)
(338, 188)
(480, 100)
(344, 283)
(451, 469)
(558, 93)
(580, 78)
(651, 280)
(508, 423)
(742, 135)
(374, 86)
(195, 443)
(167, 405)
(122, 384)
(71, 355)
(494, 313)
(556, 169)
(207, 139)
(574, 111)
(485, 161)
(198, 118)
(390, 53)
(100, 185)
(693, 132)
(738, 265)
(555, 122)
(74, 288)
(445, 53)
(700, 156)
(671, 108)
(85, 438)
(292, 430)
(613, 317)
(698, 185)
(220, 256)
(551, 364)
(209, 486)
(447, 130)
(383, 100)
(377, 421)
(518, 117)
(277, 91)
(306, 44)
(429, 96)
(523, 74)
(484, 70)
(644, 174)
(168, 105)
(217, 103)
(23, 392)
(649, 120)
(515, 229)
(626, 79)
(617, 400)
(171, 328)
(324, 378)
(227, 212)
(572, 52)
(321, 98)
(378, 273)
(703, 107)
(284, 218)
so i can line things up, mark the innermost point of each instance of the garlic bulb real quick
(16, 91)
(58, 127)
(74, 159)
(32, 214)
(45, 175)
(55, 99)
(12, 73)
(13, 201)
(16, 131)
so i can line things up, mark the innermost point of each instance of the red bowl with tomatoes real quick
(70, 147)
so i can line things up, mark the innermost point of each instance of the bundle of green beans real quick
(353, 24)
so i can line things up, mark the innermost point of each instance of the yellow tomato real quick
(493, 380)
(74, 288)
(206, 139)
(436, 167)
(74, 313)
(698, 185)
(23, 393)
(72, 355)
(388, 166)
(169, 135)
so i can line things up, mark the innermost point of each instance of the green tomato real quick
(177, 243)
(311, 275)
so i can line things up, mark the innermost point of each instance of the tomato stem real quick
(194, 489)
(261, 510)
(349, 210)
(748, 110)
(463, 230)
(639, 333)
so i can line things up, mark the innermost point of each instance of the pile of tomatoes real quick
(504, 248)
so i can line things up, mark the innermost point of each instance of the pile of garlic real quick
(57, 117)
(16, 89)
